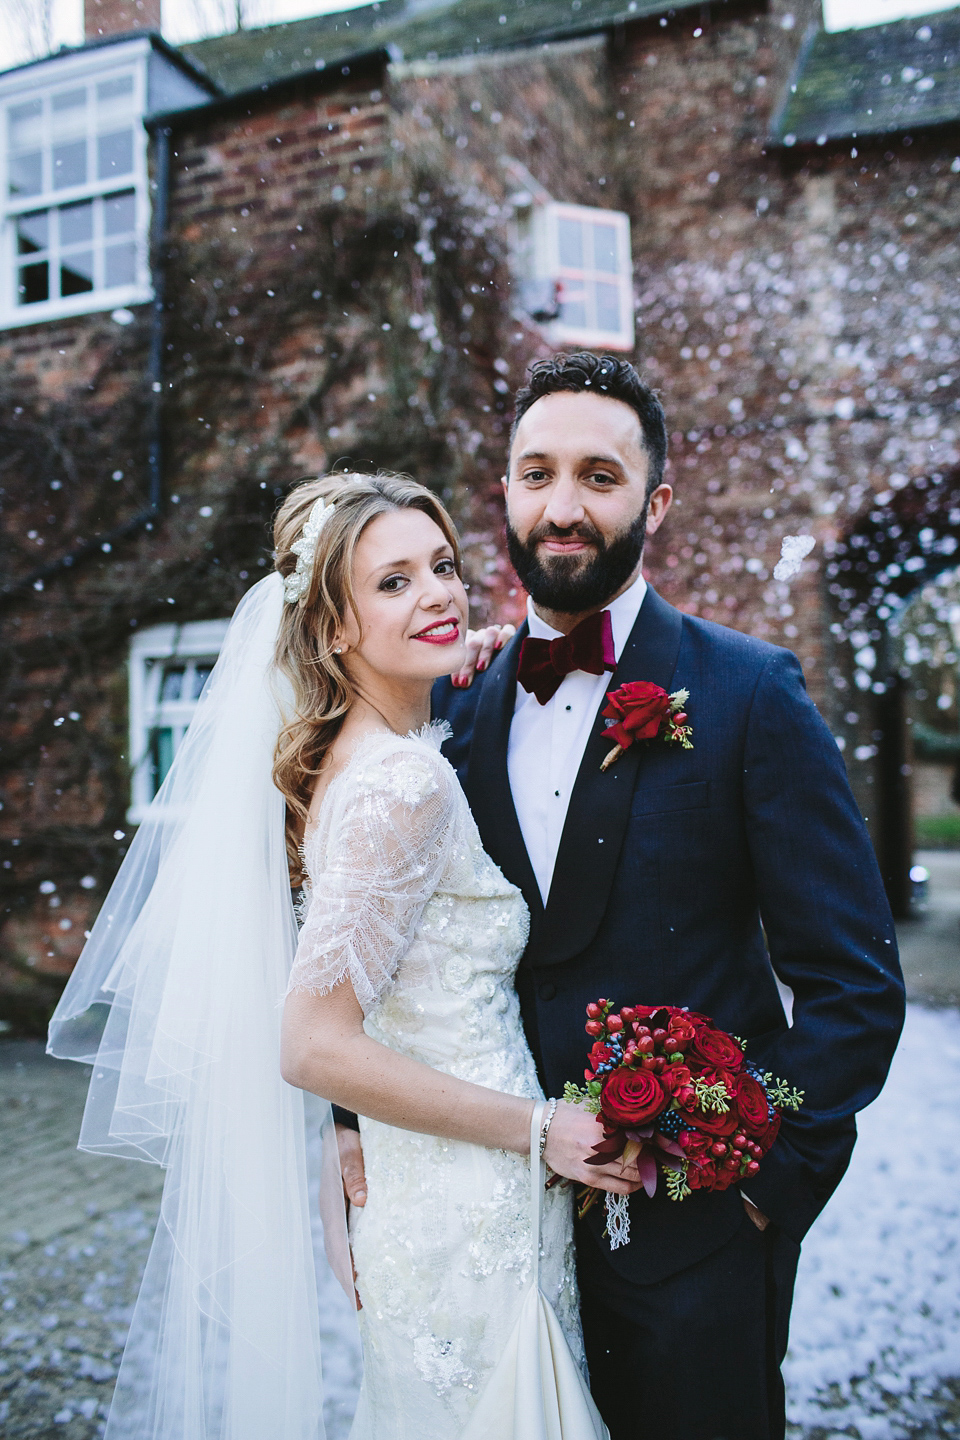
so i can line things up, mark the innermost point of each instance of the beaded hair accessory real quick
(297, 583)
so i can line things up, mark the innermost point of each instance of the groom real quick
(681, 877)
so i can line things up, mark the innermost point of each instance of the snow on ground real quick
(875, 1336)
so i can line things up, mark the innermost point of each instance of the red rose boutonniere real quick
(644, 711)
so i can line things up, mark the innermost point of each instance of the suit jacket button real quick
(548, 990)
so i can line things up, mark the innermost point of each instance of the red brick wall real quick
(818, 290)
(800, 314)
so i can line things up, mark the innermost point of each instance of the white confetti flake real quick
(793, 550)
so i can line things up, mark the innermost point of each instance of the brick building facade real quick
(348, 233)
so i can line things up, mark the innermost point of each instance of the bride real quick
(311, 759)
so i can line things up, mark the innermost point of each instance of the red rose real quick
(639, 708)
(692, 1143)
(675, 1078)
(632, 1097)
(725, 1178)
(750, 1099)
(711, 1123)
(642, 1013)
(682, 1028)
(702, 1175)
(600, 1053)
(716, 1048)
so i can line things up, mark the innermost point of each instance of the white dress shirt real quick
(547, 741)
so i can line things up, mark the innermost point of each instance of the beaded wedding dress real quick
(405, 903)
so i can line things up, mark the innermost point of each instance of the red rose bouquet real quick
(674, 1093)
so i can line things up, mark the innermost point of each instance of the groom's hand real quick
(351, 1165)
(482, 645)
(570, 1140)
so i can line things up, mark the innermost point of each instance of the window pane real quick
(161, 756)
(33, 232)
(68, 110)
(570, 243)
(25, 124)
(26, 173)
(115, 89)
(34, 284)
(25, 128)
(114, 154)
(172, 685)
(76, 223)
(200, 674)
(120, 213)
(573, 309)
(605, 248)
(76, 273)
(120, 264)
(608, 305)
(69, 164)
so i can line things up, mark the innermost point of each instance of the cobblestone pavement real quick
(74, 1234)
(875, 1345)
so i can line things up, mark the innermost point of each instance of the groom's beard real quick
(572, 584)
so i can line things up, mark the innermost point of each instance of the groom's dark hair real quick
(603, 375)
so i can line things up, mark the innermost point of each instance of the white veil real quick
(176, 1002)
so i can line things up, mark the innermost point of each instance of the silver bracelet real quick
(545, 1126)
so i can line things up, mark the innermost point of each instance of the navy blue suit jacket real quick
(691, 877)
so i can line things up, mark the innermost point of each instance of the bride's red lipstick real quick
(439, 634)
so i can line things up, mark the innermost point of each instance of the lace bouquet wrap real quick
(674, 1093)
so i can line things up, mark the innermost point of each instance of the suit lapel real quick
(487, 782)
(600, 804)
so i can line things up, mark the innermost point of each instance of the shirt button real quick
(548, 990)
(557, 793)
(569, 707)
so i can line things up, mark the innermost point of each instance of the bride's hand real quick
(570, 1140)
(482, 645)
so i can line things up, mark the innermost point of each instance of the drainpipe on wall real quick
(144, 520)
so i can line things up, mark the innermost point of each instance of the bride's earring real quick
(339, 650)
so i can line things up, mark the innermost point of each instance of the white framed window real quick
(73, 185)
(576, 271)
(168, 667)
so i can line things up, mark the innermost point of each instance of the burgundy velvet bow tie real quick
(545, 663)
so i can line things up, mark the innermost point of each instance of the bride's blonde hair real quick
(306, 643)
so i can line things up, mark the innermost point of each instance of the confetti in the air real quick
(792, 552)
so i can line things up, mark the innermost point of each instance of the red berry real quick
(752, 1167)
(649, 1062)
(593, 1010)
(614, 1024)
(593, 1027)
(671, 1043)
(659, 1035)
(680, 719)
(645, 1044)
(740, 1140)
(641, 1030)
(627, 1014)
(659, 1064)
(601, 1001)
(718, 1148)
(737, 1150)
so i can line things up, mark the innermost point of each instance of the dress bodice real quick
(405, 902)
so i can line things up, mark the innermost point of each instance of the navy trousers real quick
(699, 1353)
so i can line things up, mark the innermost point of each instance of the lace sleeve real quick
(386, 849)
